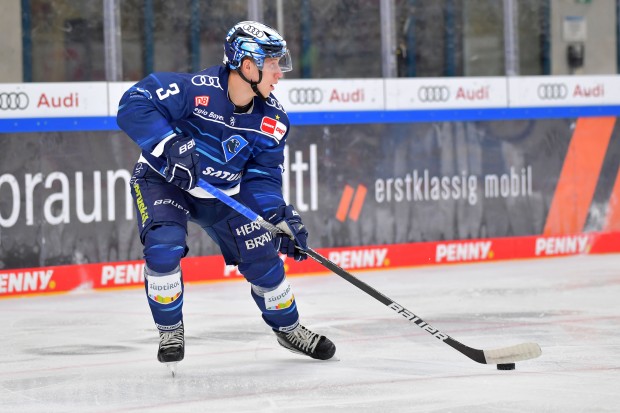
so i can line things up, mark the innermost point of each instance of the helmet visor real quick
(283, 63)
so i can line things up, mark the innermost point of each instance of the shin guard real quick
(277, 305)
(272, 293)
(165, 298)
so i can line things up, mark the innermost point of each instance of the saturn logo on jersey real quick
(232, 146)
(273, 127)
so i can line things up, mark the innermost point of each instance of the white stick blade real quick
(512, 354)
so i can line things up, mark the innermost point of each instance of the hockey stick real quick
(504, 355)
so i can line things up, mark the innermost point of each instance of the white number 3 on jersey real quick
(174, 89)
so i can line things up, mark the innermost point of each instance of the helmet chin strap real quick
(253, 85)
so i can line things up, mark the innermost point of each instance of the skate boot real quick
(171, 346)
(303, 341)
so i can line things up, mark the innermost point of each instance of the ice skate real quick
(303, 341)
(171, 348)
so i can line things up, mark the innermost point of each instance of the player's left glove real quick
(182, 164)
(295, 233)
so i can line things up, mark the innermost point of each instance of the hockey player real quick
(224, 126)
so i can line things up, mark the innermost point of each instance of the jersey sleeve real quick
(148, 110)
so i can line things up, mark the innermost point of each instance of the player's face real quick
(271, 74)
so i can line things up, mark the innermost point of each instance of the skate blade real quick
(294, 351)
(172, 366)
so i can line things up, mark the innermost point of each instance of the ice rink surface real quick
(95, 351)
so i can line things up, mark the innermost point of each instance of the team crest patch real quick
(273, 127)
(232, 146)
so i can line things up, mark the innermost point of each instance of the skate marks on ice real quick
(78, 350)
(96, 352)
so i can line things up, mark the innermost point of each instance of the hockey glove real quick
(182, 164)
(295, 233)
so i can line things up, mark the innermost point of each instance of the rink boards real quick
(386, 173)
(66, 278)
(93, 105)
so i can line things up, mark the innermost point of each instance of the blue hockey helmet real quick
(258, 42)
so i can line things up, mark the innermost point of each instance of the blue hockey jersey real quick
(238, 152)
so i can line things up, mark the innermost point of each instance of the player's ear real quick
(246, 64)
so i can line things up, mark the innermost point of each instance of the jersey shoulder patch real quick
(274, 127)
(274, 121)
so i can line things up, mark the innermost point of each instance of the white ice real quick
(95, 351)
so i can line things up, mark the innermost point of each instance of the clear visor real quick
(275, 64)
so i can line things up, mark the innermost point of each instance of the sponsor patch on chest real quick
(201, 101)
(273, 127)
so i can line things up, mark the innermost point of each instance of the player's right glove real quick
(182, 163)
(294, 232)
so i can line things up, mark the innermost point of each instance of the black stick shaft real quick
(474, 354)
(502, 355)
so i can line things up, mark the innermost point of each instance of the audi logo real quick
(253, 30)
(305, 96)
(552, 91)
(202, 80)
(430, 94)
(274, 104)
(13, 101)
